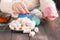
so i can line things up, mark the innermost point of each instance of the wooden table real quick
(47, 31)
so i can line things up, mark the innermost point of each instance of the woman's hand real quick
(19, 7)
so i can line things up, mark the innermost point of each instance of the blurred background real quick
(57, 4)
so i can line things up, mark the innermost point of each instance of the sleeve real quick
(6, 7)
(49, 10)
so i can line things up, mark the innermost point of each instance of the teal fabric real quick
(36, 19)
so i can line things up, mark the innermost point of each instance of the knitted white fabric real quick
(6, 6)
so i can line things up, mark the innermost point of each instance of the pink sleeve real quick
(49, 13)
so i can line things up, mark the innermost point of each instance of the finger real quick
(21, 9)
(18, 11)
(24, 7)
(15, 11)
(15, 8)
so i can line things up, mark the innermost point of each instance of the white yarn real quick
(32, 33)
(36, 29)
(37, 13)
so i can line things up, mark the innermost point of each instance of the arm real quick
(49, 10)
(13, 7)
